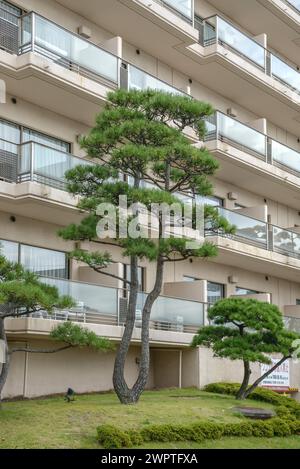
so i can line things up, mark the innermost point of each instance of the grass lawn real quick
(53, 423)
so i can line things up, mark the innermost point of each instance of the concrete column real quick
(262, 39)
(114, 45)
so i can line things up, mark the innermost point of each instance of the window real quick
(45, 262)
(298, 302)
(8, 7)
(141, 276)
(215, 292)
(38, 137)
(16, 134)
(9, 17)
(245, 291)
(10, 250)
(236, 205)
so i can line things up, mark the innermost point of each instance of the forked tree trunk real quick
(124, 393)
(242, 391)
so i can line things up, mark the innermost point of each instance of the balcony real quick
(134, 78)
(103, 309)
(39, 35)
(261, 234)
(294, 4)
(258, 246)
(59, 70)
(183, 8)
(35, 162)
(292, 323)
(216, 30)
(260, 163)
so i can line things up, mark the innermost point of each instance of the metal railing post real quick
(118, 306)
(269, 150)
(270, 238)
(124, 75)
(32, 31)
(32, 157)
(268, 66)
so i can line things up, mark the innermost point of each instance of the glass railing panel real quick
(233, 130)
(247, 228)
(184, 7)
(173, 313)
(140, 80)
(293, 324)
(240, 42)
(294, 3)
(285, 73)
(66, 48)
(45, 164)
(286, 242)
(91, 299)
(285, 156)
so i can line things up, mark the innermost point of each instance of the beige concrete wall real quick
(282, 292)
(81, 369)
(190, 368)
(41, 119)
(87, 371)
(214, 370)
(166, 364)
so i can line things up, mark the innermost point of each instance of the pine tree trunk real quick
(124, 393)
(259, 380)
(5, 366)
(241, 395)
(120, 386)
(142, 379)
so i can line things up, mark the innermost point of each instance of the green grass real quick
(53, 423)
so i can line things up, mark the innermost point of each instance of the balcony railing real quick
(291, 323)
(260, 234)
(216, 30)
(38, 34)
(295, 4)
(248, 229)
(184, 8)
(226, 129)
(35, 162)
(106, 305)
(138, 79)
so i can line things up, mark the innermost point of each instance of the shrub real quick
(237, 429)
(161, 433)
(135, 437)
(262, 429)
(259, 394)
(110, 437)
(280, 427)
(223, 388)
(284, 412)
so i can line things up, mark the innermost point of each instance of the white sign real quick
(279, 377)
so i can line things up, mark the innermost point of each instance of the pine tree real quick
(248, 330)
(22, 293)
(146, 137)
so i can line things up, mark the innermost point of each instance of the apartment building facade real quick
(58, 60)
